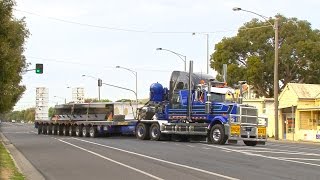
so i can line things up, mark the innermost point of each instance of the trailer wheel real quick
(250, 143)
(142, 131)
(39, 129)
(55, 129)
(217, 134)
(71, 132)
(44, 129)
(78, 131)
(155, 133)
(93, 131)
(59, 129)
(65, 130)
(85, 132)
(49, 129)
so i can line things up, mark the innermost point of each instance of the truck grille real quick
(248, 115)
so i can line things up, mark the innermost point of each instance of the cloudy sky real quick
(77, 37)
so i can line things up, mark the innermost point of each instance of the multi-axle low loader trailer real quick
(196, 106)
(86, 119)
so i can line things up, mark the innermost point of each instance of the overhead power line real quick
(131, 30)
(88, 64)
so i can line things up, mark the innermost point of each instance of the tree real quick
(250, 54)
(90, 100)
(13, 33)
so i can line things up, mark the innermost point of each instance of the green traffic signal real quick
(39, 68)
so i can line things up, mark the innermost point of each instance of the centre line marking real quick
(160, 160)
(121, 164)
(263, 156)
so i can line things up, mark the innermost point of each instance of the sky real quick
(81, 37)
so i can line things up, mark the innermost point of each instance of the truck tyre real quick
(93, 131)
(49, 129)
(217, 135)
(39, 129)
(78, 131)
(155, 133)
(250, 143)
(71, 132)
(65, 130)
(85, 132)
(142, 131)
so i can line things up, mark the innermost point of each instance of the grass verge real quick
(8, 171)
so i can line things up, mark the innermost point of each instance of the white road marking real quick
(191, 146)
(283, 152)
(305, 159)
(160, 160)
(106, 158)
(205, 148)
(294, 147)
(263, 156)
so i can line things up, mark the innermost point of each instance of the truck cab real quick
(199, 106)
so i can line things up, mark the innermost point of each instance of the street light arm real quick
(133, 72)
(84, 75)
(264, 17)
(179, 55)
(120, 87)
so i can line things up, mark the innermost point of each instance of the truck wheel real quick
(85, 132)
(93, 131)
(39, 129)
(217, 134)
(78, 131)
(65, 130)
(155, 133)
(71, 132)
(250, 143)
(142, 131)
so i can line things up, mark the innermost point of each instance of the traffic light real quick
(39, 68)
(99, 82)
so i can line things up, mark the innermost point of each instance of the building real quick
(299, 112)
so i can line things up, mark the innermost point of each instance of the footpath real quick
(22, 164)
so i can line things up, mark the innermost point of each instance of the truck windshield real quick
(218, 97)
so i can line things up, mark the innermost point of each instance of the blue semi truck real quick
(194, 107)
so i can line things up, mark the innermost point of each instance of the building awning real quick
(312, 108)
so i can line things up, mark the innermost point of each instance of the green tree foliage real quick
(250, 54)
(23, 115)
(13, 33)
(90, 100)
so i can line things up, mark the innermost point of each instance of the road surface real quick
(59, 157)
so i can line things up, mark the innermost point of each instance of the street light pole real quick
(276, 77)
(208, 57)
(136, 74)
(182, 57)
(276, 67)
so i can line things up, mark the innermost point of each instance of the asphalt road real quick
(58, 157)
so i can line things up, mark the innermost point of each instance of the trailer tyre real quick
(71, 132)
(155, 133)
(39, 129)
(85, 132)
(93, 131)
(78, 131)
(142, 131)
(65, 130)
(49, 129)
(217, 134)
(250, 143)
